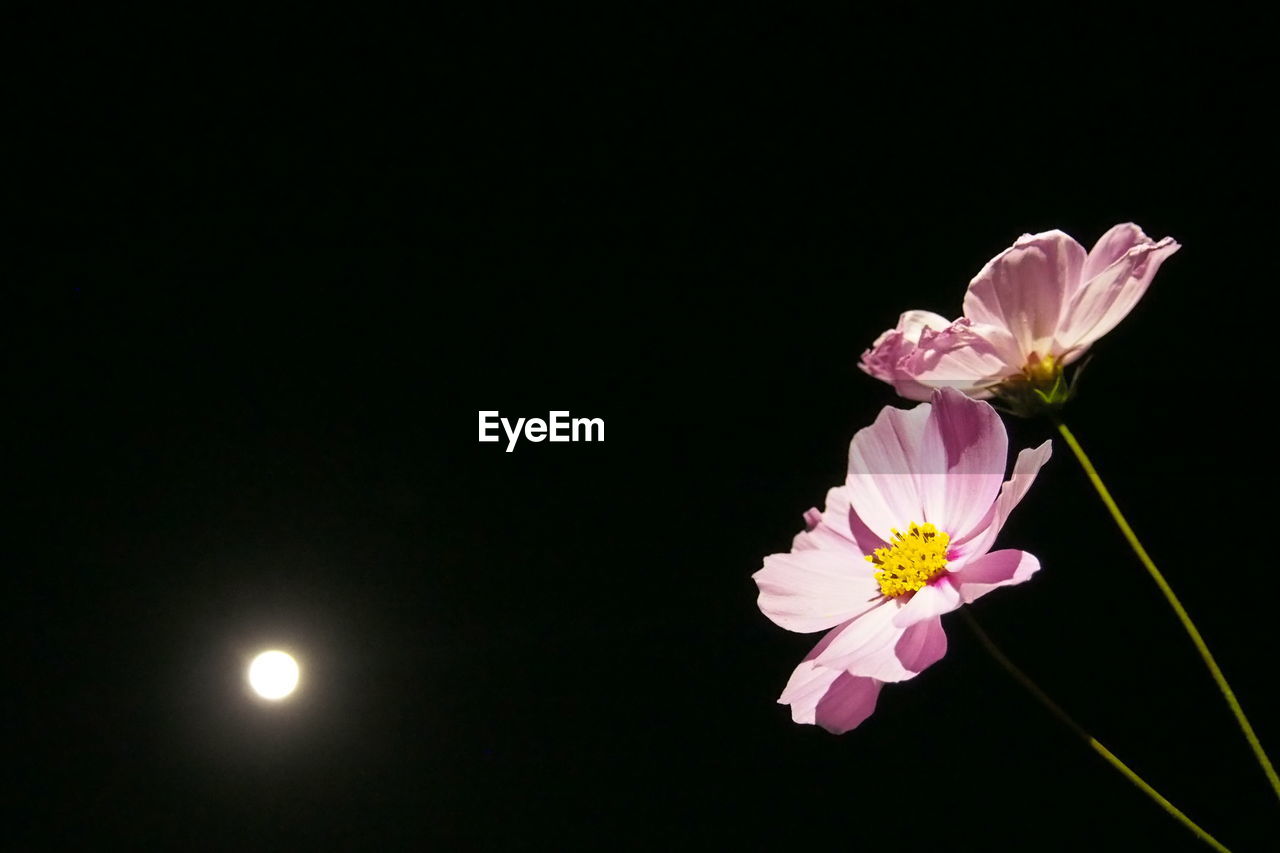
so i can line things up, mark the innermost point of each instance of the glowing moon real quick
(273, 675)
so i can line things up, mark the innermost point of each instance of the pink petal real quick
(863, 642)
(812, 516)
(940, 462)
(1025, 469)
(867, 541)
(913, 389)
(999, 568)
(922, 645)
(914, 323)
(884, 464)
(884, 361)
(964, 451)
(979, 541)
(829, 529)
(848, 702)
(885, 358)
(1108, 297)
(911, 650)
(812, 590)
(1025, 288)
(852, 698)
(939, 597)
(881, 360)
(830, 698)
(875, 646)
(968, 357)
(1111, 247)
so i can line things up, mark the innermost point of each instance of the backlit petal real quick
(852, 699)
(922, 645)
(1025, 469)
(829, 529)
(847, 703)
(963, 453)
(1025, 288)
(884, 466)
(1111, 247)
(829, 698)
(998, 568)
(863, 640)
(938, 597)
(885, 359)
(812, 590)
(966, 356)
(1107, 298)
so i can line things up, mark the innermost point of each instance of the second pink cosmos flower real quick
(1033, 309)
(906, 539)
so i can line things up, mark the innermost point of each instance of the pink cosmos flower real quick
(1035, 308)
(906, 539)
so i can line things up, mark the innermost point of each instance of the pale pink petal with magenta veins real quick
(939, 596)
(977, 543)
(1108, 297)
(1025, 289)
(812, 590)
(968, 357)
(918, 646)
(868, 541)
(962, 458)
(805, 688)
(873, 647)
(890, 653)
(847, 703)
(828, 529)
(863, 639)
(834, 700)
(996, 569)
(828, 697)
(915, 323)
(884, 476)
(921, 645)
(886, 357)
(1111, 247)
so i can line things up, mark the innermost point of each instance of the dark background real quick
(267, 278)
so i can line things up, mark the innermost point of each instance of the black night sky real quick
(265, 280)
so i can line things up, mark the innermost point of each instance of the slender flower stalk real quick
(1178, 609)
(1107, 755)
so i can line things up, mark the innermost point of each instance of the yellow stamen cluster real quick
(1042, 372)
(911, 560)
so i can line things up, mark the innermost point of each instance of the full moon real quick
(273, 675)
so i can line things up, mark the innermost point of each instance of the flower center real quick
(1040, 387)
(1043, 372)
(912, 559)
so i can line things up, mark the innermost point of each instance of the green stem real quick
(1181, 612)
(1107, 755)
